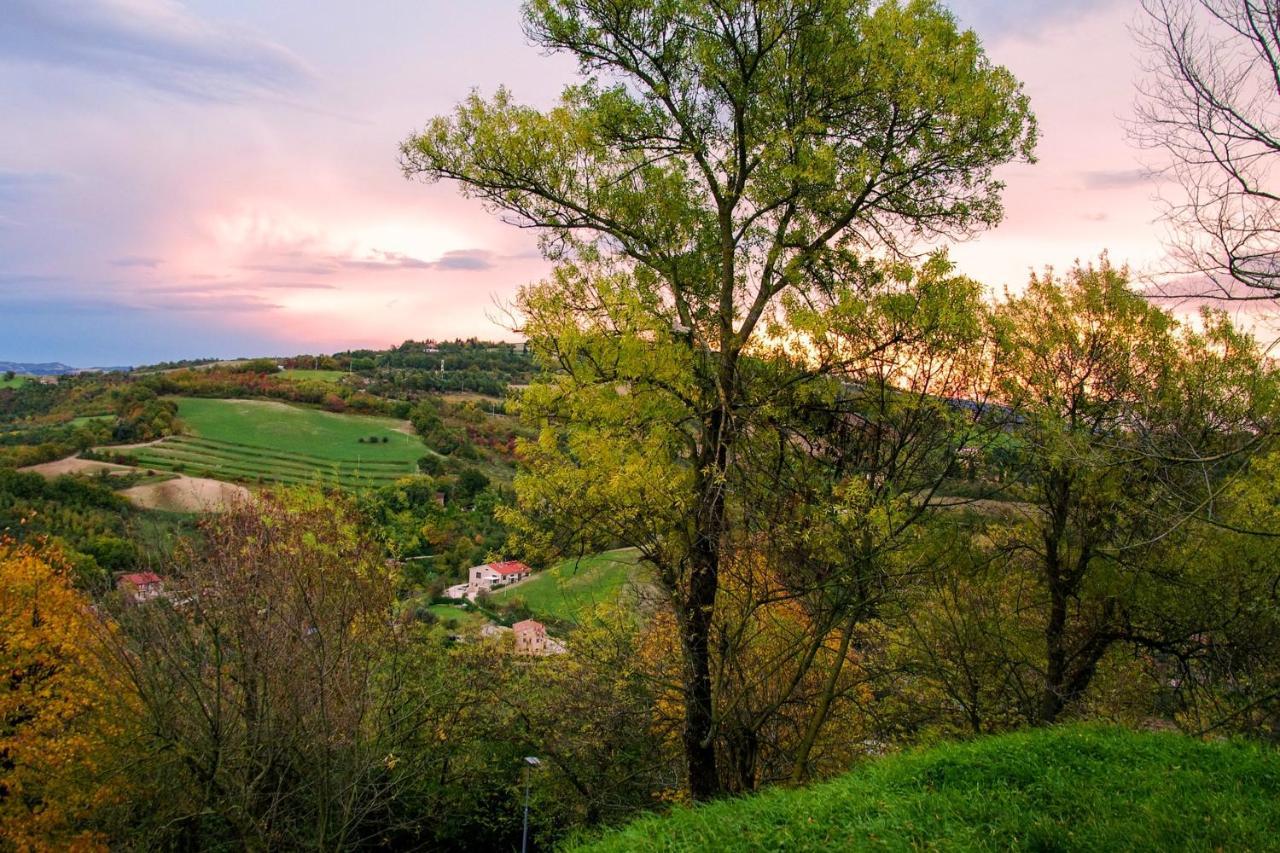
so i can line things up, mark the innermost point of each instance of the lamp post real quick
(530, 762)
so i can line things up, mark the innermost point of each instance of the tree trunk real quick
(699, 717)
(1052, 698)
(800, 767)
(699, 611)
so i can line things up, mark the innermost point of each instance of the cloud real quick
(999, 18)
(152, 43)
(300, 263)
(296, 285)
(20, 186)
(466, 259)
(1117, 179)
(136, 261)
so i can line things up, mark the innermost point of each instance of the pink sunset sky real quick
(220, 178)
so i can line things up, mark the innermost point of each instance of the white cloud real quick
(154, 43)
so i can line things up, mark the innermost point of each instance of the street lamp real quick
(530, 762)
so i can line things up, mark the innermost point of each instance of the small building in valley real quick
(141, 586)
(495, 575)
(531, 637)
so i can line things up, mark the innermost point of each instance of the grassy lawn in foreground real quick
(567, 589)
(1069, 788)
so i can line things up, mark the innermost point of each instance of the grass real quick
(566, 590)
(1070, 788)
(15, 382)
(467, 620)
(331, 376)
(280, 426)
(248, 440)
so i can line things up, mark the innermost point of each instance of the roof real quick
(528, 625)
(142, 578)
(511, 567)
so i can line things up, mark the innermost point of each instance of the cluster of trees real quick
(261, 378)
(414, 367)
(276, 697)
(748, 384)
(451, 519)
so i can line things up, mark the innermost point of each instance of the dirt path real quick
(76, 465)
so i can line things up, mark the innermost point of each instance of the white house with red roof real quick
(494, 575)
(141, 586)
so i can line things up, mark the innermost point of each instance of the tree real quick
(1210, 106)
(270, 681)
(1134, 425)
(60, 714)
(716, 158)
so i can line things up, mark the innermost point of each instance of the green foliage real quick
(84, 518)
(1076, 788)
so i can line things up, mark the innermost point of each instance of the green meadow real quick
(565, 591)
(249, 440)
(331, 376)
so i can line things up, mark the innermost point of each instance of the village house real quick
(141, 586)
(531, 637)
(495, 575)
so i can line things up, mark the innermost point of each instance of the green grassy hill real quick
(278, 442)
(1070, 788)
(566, 590)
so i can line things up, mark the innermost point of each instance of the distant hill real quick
(1068, 788)
(55, 368)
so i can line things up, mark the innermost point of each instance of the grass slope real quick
(279, 426)
(567, 589)
(330, 376)
(1070, 788)
(15, 382)
(247, 440)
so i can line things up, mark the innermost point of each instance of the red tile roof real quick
(511, 567)
(141, 578)
(528, 624)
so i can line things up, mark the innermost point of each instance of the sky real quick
(196, 178)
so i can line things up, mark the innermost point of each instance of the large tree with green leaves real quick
(1134, 425)
(721, 172)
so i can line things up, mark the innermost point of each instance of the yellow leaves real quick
(56, 707)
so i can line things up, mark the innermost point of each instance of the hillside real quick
(1070, 788)
(564, 591)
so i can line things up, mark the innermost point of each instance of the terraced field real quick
(252, 441)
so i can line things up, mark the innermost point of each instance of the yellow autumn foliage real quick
(59, 718)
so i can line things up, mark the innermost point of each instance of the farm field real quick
(15, 382)
(565, 591)
(249, 440)
(314, 375)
